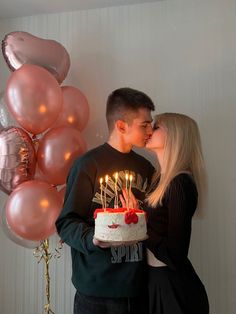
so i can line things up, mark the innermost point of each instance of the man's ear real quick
(121, 126)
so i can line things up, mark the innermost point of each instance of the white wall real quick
(181, 53)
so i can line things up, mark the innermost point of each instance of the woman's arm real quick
(171, 246)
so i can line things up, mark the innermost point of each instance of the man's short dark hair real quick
(123, 101)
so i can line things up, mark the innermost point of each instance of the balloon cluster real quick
(40, 136)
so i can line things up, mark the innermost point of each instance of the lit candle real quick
(105, 193)
(130, 185)
(130, 180)
(126, 181)
(126, 188)
(116, 194)
(101, 192)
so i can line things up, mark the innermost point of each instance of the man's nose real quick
(149, 130)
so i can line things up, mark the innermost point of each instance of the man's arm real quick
(74, 223)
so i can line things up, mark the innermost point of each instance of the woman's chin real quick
(148, 146)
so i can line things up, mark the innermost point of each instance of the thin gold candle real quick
(116, 194)
(126, 181)
(105, 193)
(130, 186)
(101, 191)
(126, 188)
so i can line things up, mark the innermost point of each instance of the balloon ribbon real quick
(43, 253)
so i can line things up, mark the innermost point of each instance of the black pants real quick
(176, 292)
(93, 305)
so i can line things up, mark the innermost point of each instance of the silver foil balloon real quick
(17, 158)
(6, 118)
(11, 235)
(19, 48)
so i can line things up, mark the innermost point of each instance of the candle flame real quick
(130, 178)
(106, 178)
(101, 180)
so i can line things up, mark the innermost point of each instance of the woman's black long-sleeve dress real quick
(175, 288)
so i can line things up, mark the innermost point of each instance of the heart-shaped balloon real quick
(17, 158)
(21, 47)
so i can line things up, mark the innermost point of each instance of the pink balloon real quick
(17, 158)
(34, 98)
(75, 109)
(32, 209)
(57, 150)
(39, 175)
(11, 235)
(21, 47)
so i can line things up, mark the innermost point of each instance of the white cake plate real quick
(119, 243)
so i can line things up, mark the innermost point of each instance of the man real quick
(108, 279)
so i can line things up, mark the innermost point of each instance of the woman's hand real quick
(128, 199)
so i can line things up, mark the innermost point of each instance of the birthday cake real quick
(120, 224)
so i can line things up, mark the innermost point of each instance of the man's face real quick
(139, 130)
(158, 139)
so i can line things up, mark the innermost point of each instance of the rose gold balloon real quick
(21, 47)
(75, 109)
(57, 150)
(17, 158)
(11, 235)
(39, 175)
(6, 118)
(34, 98)
(32, 209)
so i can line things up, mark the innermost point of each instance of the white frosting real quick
(124, 231)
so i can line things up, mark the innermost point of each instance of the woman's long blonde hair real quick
(182, 154)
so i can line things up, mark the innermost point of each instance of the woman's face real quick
(158, 139)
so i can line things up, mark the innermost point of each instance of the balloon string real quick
(47, 256)
(35, 141)
(43, 253)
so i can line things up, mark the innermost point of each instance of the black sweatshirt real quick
(113, 272)
(169, 225)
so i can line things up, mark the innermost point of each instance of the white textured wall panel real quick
(182, 53)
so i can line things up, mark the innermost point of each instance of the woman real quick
(174, 287)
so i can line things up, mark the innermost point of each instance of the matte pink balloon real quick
(57, 150)
(32, 209)
(21, 47)
(17, 158)
(75, 109)
(34, 98)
